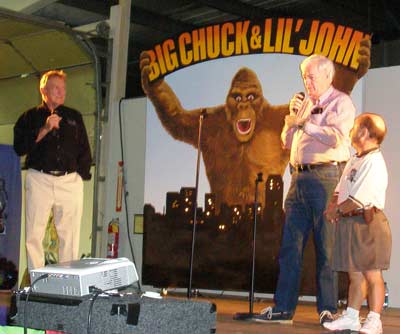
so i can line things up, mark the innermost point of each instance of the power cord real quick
(124, 188)
(95, 294)
(41, 277)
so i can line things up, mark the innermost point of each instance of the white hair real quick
(322, 62)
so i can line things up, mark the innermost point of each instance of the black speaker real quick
(114, 314)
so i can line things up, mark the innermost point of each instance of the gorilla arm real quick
(345, 79)
(180, 123)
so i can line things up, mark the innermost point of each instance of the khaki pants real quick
(63, 195)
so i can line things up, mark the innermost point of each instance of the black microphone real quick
(317, 110)
(58, 113)
(303, 95)
(55, 131)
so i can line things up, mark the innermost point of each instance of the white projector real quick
(81, 277)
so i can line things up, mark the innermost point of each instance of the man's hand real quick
(53, 122)
(292, 121)
(332, 213)
(296, 103)
(332, 216)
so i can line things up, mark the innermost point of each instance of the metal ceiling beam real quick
(158, 22)
(139, 15)
(379, 17)
(37, 5)
(101, 7)
(362, 13)
(242, 9)
(392, 16)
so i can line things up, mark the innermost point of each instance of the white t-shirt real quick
(364, 180)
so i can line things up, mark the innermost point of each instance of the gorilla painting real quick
(241, 137)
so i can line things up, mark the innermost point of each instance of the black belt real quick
(355, 212)
(360, 212)
(309, 167)
(55, 172)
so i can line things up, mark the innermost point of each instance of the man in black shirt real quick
(58, 157)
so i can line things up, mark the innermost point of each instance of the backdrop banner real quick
(10, 204)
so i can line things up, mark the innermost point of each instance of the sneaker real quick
(269, 315)
(372, 325)
(343, 322)
(325, 316)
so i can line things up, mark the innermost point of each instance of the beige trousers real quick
(63, 195)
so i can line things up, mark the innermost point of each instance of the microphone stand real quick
(196, 190)
(249, 315)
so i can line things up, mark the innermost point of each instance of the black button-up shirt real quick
(64, 149)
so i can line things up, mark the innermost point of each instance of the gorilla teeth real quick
(243, 126)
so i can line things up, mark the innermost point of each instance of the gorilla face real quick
(243, 103)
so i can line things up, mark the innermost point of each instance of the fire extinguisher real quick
(113, 238)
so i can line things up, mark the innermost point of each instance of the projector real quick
(81, 277)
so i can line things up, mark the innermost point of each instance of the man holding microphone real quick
(54, 139)
(317, 134)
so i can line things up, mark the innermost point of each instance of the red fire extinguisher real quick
(113, 238)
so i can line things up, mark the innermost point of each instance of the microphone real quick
(301, 98)
(55, 131)
(58, 113)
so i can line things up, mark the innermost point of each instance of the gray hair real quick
(323, 63)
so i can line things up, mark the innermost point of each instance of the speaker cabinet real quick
(115, 314)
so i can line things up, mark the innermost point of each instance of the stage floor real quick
(305, 321)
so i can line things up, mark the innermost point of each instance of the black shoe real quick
(326, 316)
(269, 315)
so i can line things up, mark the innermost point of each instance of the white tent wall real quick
(110, 150)
(381, 92)
(133, 120)
(17, 95)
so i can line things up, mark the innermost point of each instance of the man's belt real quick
(368, 214)
(309, 167)
(55, 172)
(356, 212)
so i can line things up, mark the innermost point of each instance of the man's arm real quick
(338, 124)
(292, 121)
(335, 210)
(52, 122)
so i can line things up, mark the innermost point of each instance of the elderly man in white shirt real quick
(317, 134)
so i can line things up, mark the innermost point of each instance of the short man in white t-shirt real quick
(363, 238)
